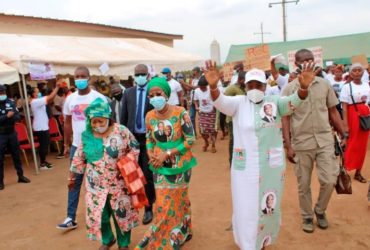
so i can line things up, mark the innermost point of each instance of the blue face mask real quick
(3, 98)
(81, 83)
(158, 102)
(140, 80)
(39, 95)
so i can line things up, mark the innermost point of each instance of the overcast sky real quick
(201, 21)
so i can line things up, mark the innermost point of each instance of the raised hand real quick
(308, 74)
(211, 74)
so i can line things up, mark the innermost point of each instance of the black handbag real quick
(344, 185)
(364, 119)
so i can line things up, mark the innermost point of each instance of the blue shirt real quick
(143, 128)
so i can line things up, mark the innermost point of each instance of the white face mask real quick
(101, 130)
(255, 95)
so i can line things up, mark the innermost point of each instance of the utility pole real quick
(261, 33)
(283, 4)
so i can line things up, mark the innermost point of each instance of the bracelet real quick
(71, 179)
(304, 90)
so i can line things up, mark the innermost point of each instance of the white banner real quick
(41, 71)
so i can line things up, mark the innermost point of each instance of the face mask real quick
(39, 95)
(140, 80)
(255, 95)
(102, 130)
(3, 98)
(82, 83)
(158, 102)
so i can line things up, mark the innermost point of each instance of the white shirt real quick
(337, 86)
(365, 76)
(75, 106)
(194, 83)
(361, 93)
(205, 101)
(282, 81)
(58, 101)
(175, 89)
(40, 117)
(272, 90)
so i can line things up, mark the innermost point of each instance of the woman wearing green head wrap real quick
(103, 144)
(170, 136)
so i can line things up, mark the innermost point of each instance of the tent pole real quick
(28, 118)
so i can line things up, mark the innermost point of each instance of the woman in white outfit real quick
(258, 164)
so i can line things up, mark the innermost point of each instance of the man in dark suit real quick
(121, 211)
(269, 205)
(269, 116)
(135, 106)
(116, 92)
(160, 134)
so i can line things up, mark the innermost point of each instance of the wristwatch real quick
(169, 152)
(345, 135)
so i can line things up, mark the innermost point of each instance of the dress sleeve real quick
(287, 104)
(345, 94)
(227, 104)
(187, 132)
(150, 142)
(78, 164)
(133, 146)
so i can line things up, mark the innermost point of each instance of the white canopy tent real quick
(65, 53)
(8, 75)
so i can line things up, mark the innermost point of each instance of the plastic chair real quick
(55, 135)
(24, 141)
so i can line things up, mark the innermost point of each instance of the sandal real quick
(359, 178)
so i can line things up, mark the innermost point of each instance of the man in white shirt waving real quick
(177, 94)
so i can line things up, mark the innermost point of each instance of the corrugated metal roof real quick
(337, 48)
(174, 36)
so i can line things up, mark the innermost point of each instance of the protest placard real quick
(228, 71)
(258, 57)
(362, 59)
(317, 53)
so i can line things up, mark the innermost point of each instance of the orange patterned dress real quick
(172, 224)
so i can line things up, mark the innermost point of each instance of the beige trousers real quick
(327, 171)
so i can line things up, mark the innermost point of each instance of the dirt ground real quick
(29, 213)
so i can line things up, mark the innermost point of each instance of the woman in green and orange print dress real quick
(171, 161)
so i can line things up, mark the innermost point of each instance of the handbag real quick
(364, 119)
(344, 185)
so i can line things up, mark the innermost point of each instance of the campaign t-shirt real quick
(205, 101)
(360, 93)
(40, 117)
(75, 106)
(175, 88)
(337, 86)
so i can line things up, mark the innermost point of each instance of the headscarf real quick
(160, 83)
(92, 146)
(356, 65)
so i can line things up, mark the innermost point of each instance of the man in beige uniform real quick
(312, 141)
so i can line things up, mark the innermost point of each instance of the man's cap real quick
(256, 75)
(166, 70)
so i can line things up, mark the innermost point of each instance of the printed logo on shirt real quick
(78, 112)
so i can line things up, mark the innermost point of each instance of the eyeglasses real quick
(141, 74)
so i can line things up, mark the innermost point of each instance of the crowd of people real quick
(265, 114)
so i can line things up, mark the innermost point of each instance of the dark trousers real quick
(10, 141)
(193, 114)
(223, 122)
(143, 163)
(74, 193)
(44, 140)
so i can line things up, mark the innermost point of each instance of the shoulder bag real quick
(364, 119)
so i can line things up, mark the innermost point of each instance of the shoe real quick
(23, 179)
(360, 178)
(106, 247)
(322, 222)
(49, 164)
(60, 156)
(148, 217)
(2, 186)
(45, 166)
(67, 224)
(308, 226)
